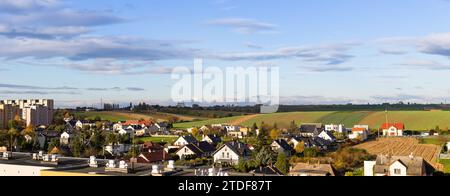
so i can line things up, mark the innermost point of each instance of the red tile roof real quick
(157, 156)
(399, 126)
(355, 129)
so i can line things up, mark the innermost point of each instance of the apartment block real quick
(33, 111)
(7, 113)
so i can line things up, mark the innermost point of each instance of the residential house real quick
(153, 157)
(327, 135)
(307, 169)
(80, 124)
(200, 149)
(397, 166)
(212, 139)
(245, 131)
(310, 130)
(66, 137)
(232, 128)
(118, 149)
(185, 140)
(205, 128)
(235, 134)
(360, 133)
(311, 142)
(231, 152)
(281, 145)
(162, 128)
(337, 128)
(393, 129)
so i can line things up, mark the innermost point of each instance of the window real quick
(228, 155)
(397, 171)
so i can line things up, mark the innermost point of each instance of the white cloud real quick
(244, 25)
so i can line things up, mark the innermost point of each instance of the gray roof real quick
(239, 148)
(416, 166)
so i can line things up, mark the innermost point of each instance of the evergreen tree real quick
(282, 163)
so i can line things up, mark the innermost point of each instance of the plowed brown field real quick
(404, 147)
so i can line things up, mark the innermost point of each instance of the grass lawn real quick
(436, 140)
(158, 139)
(446, 164)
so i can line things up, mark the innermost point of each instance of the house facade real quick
(231, 152)
(185, 140)
(386, 165)
(393, 129)
(281, 145)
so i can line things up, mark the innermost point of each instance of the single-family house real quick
(185, 140)
(153, 157)
(311, 142)
(281, 145)
(65, 137)
(232, 128)
(118, 149)
(338, 128)
(230, 153)
(212, 139)
(235, 134)
(310, 130)
(200, 149)
(393, 129)
(80, 124)
(327, 135)
(307, 169)
(360, 133)
(397, 166)
(161, 128)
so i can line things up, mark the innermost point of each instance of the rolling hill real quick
(414, 120)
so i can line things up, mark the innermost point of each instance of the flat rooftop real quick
(75, 166)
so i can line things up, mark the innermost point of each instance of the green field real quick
(436, 140)
(414, 120)
(206, 122)
(158, 139)
(446, 164)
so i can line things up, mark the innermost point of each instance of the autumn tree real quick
(300, 147)
(275, 134)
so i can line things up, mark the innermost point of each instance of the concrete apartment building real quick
(33, 111)
(7, 113)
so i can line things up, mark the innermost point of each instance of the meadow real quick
(414, 120)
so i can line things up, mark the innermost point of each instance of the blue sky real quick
(81, 51)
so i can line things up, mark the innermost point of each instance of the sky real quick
(79, 52)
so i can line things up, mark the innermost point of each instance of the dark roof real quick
(214, 138)
(311, 128)
(331, 135)
(313, 141)
(237, 147)
(200, 148)
(269, 171)
(72, 123)
(284, 144)
(194, 149)
(190, 139)
(206, 147)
